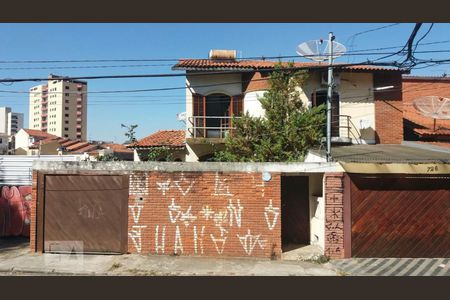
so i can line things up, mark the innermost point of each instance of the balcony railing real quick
(343, 130)
(210, 126)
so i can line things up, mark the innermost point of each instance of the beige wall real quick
(22, 139)
(356, 100)
(59, 98)
(317, 210)
(204, 85)
(35, 106)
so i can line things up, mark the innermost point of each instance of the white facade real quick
(59, 108)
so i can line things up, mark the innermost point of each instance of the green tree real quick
(286, 132)
(162, 153)
(130, 134)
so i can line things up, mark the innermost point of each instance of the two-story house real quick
(366, 106)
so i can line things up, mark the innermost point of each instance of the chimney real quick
(222, 54)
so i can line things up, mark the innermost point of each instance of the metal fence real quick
(18, 169)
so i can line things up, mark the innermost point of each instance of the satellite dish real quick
(434, 107)
(319, 50)
(181, 116)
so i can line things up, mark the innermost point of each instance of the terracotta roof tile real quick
(208, 64)
(85, 148)
(116, 147)
(429, 132)
(77, 146)
(169, 138)
(39, 134)
(68, 143)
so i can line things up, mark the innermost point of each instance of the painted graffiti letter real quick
(271, 214)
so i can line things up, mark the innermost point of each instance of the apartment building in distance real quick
(10, 124)
(59, 108)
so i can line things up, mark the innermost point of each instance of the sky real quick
(152, 111)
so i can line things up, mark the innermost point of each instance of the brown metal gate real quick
(400, 216)
(87, 209)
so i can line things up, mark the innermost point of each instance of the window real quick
(66, 115)
(66, 108)
(66, 135)
(66, 129)
(66, 94)
(67, 122)
(67, 101)
(67, 87)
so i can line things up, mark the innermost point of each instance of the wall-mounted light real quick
(381, 88)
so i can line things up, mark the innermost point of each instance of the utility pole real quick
(329, 94)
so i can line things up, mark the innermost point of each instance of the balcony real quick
(78, 126)
(79, 106)
(343, 131)
(79, 86)
(79, 113)
(210, 127)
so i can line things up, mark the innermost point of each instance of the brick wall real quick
(334, 215)
(256, 81)
(209, 214)
(388, 109)
(33, 207)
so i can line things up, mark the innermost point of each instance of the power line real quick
(177, 59)
(209, 73)
(166, 65)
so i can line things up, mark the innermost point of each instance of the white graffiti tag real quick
(198, 239)
(220, 218)
(184, 185)
(174, 211)
(136, 236)
(220, 187)
(206, 212)
(163, 186)
(235, 211)
(136, 209)
(271, 214)
(187, 217)
(160, 246)
(219, 243)
(249, 242)
(178, 243)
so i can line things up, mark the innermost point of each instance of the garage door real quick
(400, 216)
(85, 212)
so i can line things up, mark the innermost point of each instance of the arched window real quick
(212, 114)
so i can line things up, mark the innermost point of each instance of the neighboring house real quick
(366, 107)
(117, 150)
(35, 142)
(27, 142)
(417, 126)
(10, 124)
(172, 140)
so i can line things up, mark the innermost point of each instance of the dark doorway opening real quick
(217, 109)
(295, 219)
(319, 98)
